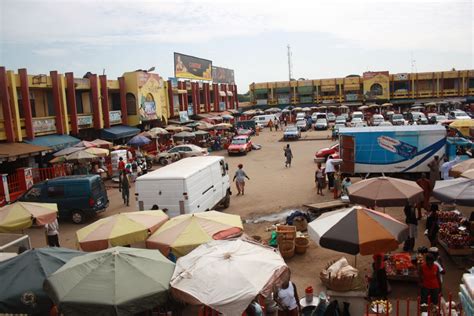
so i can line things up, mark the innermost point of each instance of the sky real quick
(328, 39)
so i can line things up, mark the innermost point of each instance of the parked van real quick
(191, 185)
(262, 120)
(77, 197)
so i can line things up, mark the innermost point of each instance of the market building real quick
(378, 87)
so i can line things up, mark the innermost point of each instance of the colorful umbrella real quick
(468, 174)
(119, 230)
(459, 191)
(463, 126)
(138, 141)
(116, 281)
(459, 168)
(101, 142)
(204, 125)
(185, 232)
(357, 230)
(228, 274)
(174, 128)
(100, 152)
(21, 289)
(385, 191)
(158, 131)
(67, 151)
(20, 215)
(223, 126)
(81, 155)
(59, 159)
(85, 144)
(184, 135)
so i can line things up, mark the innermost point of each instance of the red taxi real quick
(240, 145)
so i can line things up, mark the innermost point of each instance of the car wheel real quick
(163, 161)
(77, 217)
(226, 202)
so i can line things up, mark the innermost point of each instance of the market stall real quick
(455, 233)
(403, 267)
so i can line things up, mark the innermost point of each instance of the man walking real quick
(446, 167)
(425, 184)
(330, 169)
(121, 170)
(239, 179)
(319, 177)
(52, 233)
(412, 222)
(125, 188)
(434, 166)
(288, 155)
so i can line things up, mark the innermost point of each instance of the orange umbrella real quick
(385, 191)
(468, 174)
(20, 215)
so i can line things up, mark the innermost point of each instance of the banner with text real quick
(191, 67)
(222, 75)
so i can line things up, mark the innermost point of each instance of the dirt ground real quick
(271, 189)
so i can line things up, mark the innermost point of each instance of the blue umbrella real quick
(21, 288)
(138, 141)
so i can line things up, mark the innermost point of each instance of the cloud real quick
(50, 52)
(378, 24)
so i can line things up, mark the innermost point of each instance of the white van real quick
(300, 116)
(357, 114)
(262, 120)
(191, 185)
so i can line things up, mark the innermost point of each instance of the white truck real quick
(191, 185)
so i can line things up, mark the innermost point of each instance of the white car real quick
(355, 121)
(331, 117)
(377, 119)
(180, 151)
(458, 115)
(321, 124)
(302, 124)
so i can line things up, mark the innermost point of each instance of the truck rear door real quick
(347, 153)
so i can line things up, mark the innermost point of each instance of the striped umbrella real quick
(459, 191)
(357, 230)
(460, 167)
(20, 215)
(120, 229)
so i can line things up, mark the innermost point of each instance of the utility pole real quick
(290, 65)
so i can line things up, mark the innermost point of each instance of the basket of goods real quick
(286, 232)
(449, 216)
(453, 236)
(381, 307)
(301, 244)
(287, 248)
(340, 276)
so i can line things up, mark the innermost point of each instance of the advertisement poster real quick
(44, 125)
(148, 111)
(183, 116)
(221, 106)
(376, 85)
(191, 67)
(152, 96)
(222, 75)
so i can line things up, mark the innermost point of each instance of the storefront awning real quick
(119, 131)
(55, 142)
(12, 151)
(222, 93)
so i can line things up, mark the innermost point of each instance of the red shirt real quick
(430, 276)
(121, 165)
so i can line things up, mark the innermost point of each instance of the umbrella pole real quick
(355, 261)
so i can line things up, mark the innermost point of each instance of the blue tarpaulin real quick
(55, 142)
(119, 131)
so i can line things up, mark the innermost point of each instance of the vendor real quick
(378, 284)
(287, 299)
(430, 280)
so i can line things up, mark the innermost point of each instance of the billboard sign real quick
(222, 75)
(191, 67)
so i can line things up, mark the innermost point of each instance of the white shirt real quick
(330, 164)
(53, 228)
(287, 297)
(445, 167)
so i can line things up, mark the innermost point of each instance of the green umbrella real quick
(22, 277)
(115, 281)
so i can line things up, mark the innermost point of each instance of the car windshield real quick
(321, 121)
(440, 117)
(239, 141)
(291, 129)
(460, 113)
(397, 117)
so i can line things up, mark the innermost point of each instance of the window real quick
(33, 193)
(20, 104)
(223, 167)
(376, 89)
(471, 83)
(131, 104)
(49, 100)
(79, 104)
(115, 100)
(55, 191)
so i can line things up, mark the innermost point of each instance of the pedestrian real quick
(270, 124)
(276, 124)
(288, 155)
(432, 225)
(345, 186)
(287, 299)
(425, 184)
(446, 167)
(412, 222)
(52, 233)
(319, 178)
(434, 166)
(430, 280)
(437, 261)
(337, 182)
(378, 284)
(330, 169)
(121, 170)
(285, 120)
(239, 179)
(125, 189)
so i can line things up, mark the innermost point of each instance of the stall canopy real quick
(55, 142)
(119, 131)
(20, 150)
